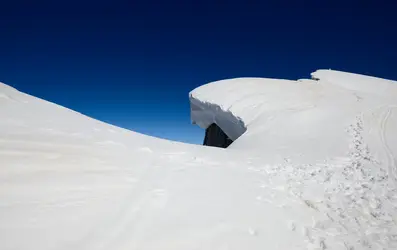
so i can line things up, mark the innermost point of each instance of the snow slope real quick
(313, 167)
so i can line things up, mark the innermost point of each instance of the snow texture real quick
(313, 166)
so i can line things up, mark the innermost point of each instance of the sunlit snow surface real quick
(314, 166)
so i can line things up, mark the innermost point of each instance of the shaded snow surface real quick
(313, 167)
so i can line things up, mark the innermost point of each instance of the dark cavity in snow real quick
(215, 137)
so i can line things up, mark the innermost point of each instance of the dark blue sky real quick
(133, 63)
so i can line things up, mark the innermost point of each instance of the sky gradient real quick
(133, 63)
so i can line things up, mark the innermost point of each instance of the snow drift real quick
(313, 166)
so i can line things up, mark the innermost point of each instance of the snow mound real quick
(356, 82)
(236, 103)
(313, 167)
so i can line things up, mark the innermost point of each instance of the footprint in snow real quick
(145, 150)
(110, 143)
(159, 198)
(174, 155)
(291, 226)
(252, 231)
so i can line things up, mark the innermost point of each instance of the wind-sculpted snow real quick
(313, 166)
(355, 82)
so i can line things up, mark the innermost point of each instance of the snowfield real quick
(313, 166)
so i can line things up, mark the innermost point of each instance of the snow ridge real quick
(356, 82)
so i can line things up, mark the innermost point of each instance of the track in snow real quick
(391, 162)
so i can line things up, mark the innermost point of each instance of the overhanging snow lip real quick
(206, 113)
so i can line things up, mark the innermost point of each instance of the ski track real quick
(391, 164)
(115, 226)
